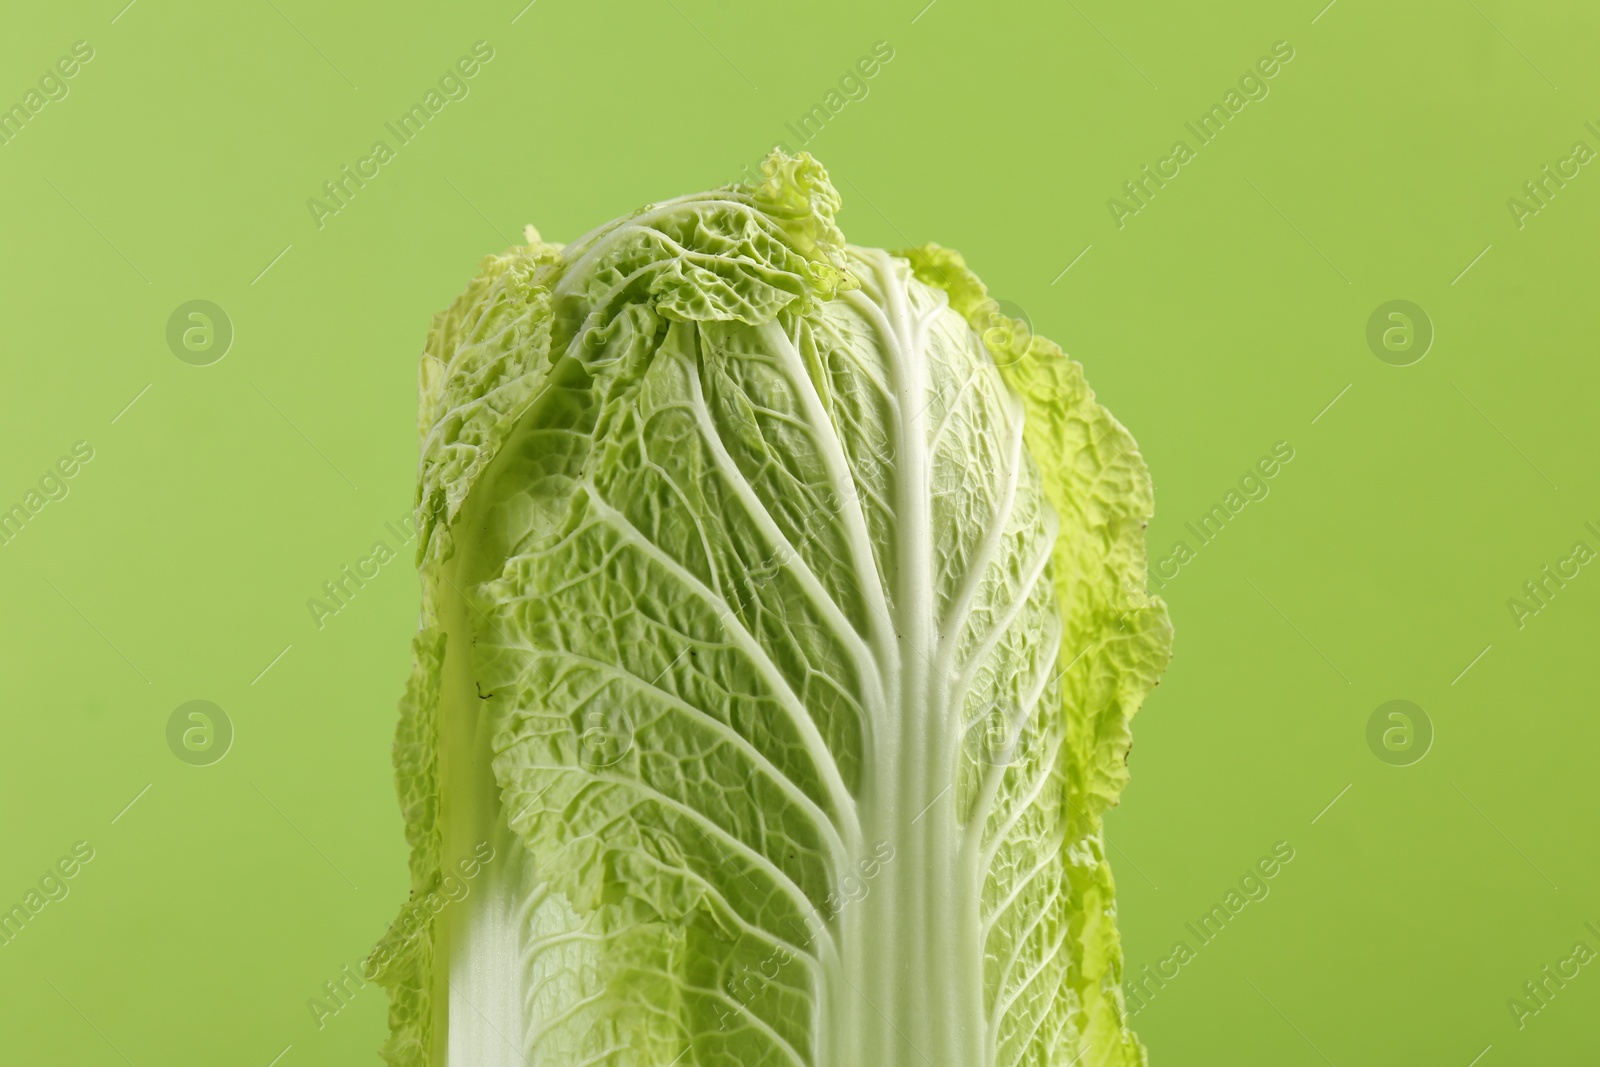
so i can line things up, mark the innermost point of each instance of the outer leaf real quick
(1097, 481)
(754, 579)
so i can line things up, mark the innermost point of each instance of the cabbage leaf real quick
(783, 616)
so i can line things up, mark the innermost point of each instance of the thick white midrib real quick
(921, 947)
(839, 853)
(866, 663)
(807, 730)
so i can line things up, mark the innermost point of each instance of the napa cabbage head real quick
(783, 616)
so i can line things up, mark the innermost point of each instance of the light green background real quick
(1222, 319)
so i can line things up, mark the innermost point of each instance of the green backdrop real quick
(1222, 309)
